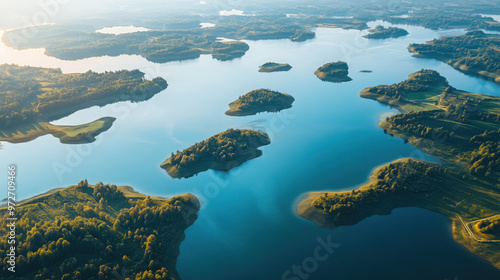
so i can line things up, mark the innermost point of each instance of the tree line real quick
(223, 147)
(96, 233)
(395, 178)
(29, 94)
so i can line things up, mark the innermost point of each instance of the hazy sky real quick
(23, 12)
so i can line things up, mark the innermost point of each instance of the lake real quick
(329, 140)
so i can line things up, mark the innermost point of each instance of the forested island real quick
(98, 232)
(224, 51)
(474, 53)
(222, 152)
(274, 67)
(30, 97)
(260, 100)
(462, 129)
(333, 72)
(381, 32)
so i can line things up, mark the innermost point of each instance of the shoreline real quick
(461, 68)
(244, 143)
(454, 184)
(205, 166)
(306, 210)
(76, 134)
(168, 226)
(432, 201)
(235, 111)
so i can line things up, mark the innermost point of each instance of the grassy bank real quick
(78, 134)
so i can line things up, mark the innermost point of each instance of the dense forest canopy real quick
(333, 72)
(420, 81)
(260, 100)
(473, 52)
(465, 126)
(261, 97)
(402, 177)
(30, 94)
(227, 149)
(94, 232)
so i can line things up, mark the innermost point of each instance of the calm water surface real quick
(247, 227)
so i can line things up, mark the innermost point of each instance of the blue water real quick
(330, 139)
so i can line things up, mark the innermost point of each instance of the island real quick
(460, 128)
(222, 152)
(260, 100)
(224, 51)
(380, 32)
(474, 53)
(335, 72)
(98, 232)
(274, 67)
(31, 97)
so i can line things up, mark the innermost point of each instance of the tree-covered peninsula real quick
(260, 100)
(98, 232)
(463, 130)
(274, 67)
(381, 32)
(439, 18)
(475, 53)
(30, 97)
(333, 72)
(222, 152)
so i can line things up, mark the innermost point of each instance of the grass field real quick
(79, 134)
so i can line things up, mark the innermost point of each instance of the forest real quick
(485, 159)
(224, 51)
(175, 39)
(88, 232)
(380, 32)
(397, 178)
(30, 94)
(222, 151)
(462, 126)
(160, 46)
(442, 19)
(474, 53)
(415, 123)
(333, 72)
(420, 81)
(260, 100)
